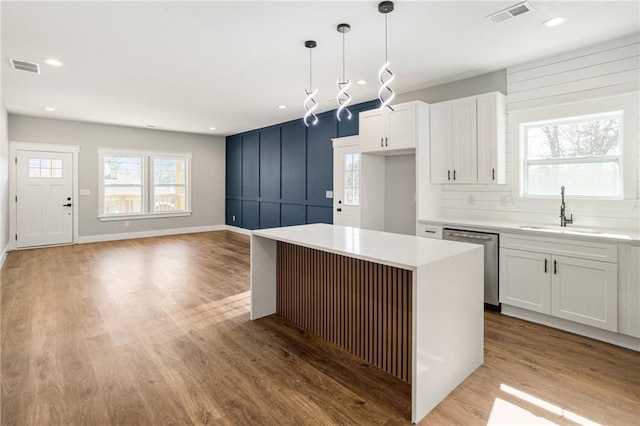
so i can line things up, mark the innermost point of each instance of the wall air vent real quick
(27, 66)
(510, 12)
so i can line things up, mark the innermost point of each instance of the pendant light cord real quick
(386, 39)
(310, 70)
(343, 58)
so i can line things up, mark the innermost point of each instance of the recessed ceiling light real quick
(53, 62)
(49, 109)
(554, 22)
(361, 82)
(282, 106)
(212, 128)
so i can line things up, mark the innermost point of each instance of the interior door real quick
(44, 186)
(346, 186)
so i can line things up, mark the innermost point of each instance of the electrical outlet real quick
(471, 199)
(503, 200)
(126, 223)
(233, 218)
(328, 194)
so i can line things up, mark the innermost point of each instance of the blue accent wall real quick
(279, 175)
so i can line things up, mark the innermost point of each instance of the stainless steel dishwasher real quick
(490, 243)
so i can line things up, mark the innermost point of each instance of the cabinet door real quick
(401, 127)
(372, 130)
(464, 140)
(440, 132)
(491, 138)
(585, 291)
(525, 280)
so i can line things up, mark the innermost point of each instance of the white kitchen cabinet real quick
(543, 278)
(492, 156)
(468, 140)
(525, 280)
(387, 130)
(585, 291)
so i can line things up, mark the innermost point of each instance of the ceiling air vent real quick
(25, 66)
(510, 12)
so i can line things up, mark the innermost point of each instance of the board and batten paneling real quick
(280, 175)
(605, 69)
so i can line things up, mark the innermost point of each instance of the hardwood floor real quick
(157, 331)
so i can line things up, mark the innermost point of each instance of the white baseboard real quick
(238, 230)
(147, 234)
(3, 255)
(617, 339)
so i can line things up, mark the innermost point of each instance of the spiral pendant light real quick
(386, 93)
(310, 104)
(343, 98)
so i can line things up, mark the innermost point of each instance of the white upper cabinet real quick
(491, 138)
(386, 130)
(468, 140)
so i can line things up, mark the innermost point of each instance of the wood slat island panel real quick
(363, 307)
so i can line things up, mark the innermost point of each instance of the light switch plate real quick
(85, 192)
(329, 194)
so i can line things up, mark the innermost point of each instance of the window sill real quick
(112, 218)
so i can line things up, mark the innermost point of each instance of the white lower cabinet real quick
(576, 288)
(585, 291)
(525, 280)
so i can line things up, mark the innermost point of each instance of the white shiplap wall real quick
(599, 71)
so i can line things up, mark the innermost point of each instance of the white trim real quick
(627, 102)
(3, 254)
(238, 230)
(15, 146)
(618, 339)
(112, 218)
(147, 183)
(146, 234)
(345, 141)
(140, 152)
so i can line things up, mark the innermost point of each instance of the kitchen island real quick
(408, 305)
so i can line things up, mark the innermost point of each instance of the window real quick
(352, 179)
(45, 168)
(143, 184)
(583, 153)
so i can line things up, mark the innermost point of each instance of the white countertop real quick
(570, 231)
(402, 251)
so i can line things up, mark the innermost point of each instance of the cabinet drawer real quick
(429, 231)
(573, 248)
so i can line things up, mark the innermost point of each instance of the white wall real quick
(400, 194)
(4, 183)
(208, 168)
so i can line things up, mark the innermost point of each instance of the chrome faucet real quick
(563, 217)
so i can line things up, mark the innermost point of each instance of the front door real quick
(44, 187)
(346, 186)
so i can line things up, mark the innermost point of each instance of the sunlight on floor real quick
(507, 413)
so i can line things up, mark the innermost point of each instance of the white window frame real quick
(525, 162)
(628, 103)
(147, 183)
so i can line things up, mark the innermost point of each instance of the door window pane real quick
(45, 168)
(352, 179)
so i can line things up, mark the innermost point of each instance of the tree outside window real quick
(582, 153)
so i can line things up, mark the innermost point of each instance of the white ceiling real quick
(188, 66)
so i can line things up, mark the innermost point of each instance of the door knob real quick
(66, 205)
(339, 209)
